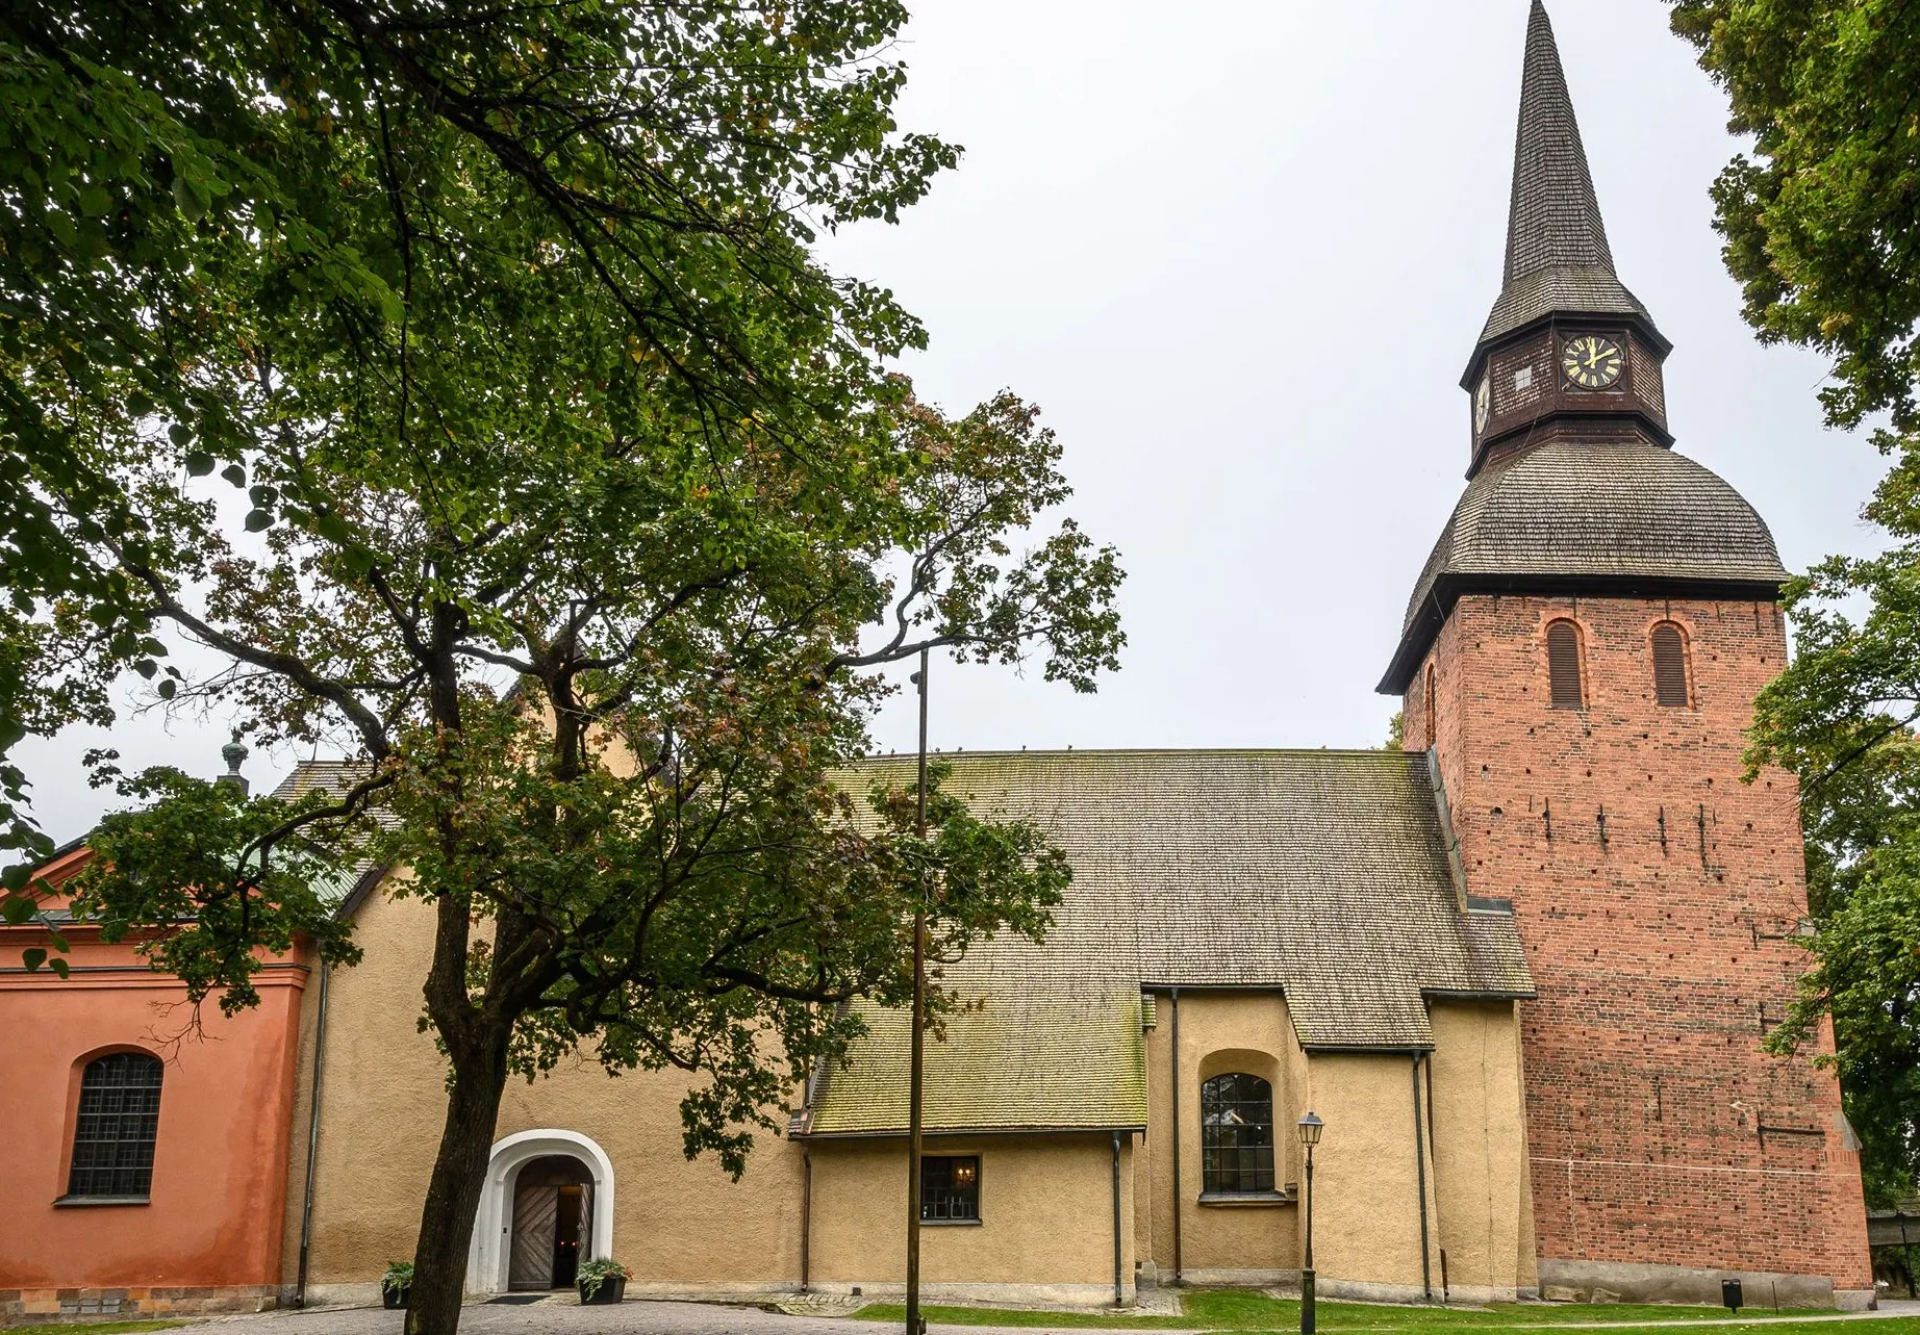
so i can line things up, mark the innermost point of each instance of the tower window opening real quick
(1433, 723)
(1670, 666)
(1563, 666)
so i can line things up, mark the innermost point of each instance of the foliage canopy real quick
(461, 377)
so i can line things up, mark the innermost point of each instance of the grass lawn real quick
(94, 1327)
(1250, 1310)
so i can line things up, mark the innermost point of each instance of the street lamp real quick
(1309, 1137)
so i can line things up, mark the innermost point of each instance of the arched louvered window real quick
(114, 1133)
(1433, 722)
(1563, 666)
(1236, 1134)
(1670, 665)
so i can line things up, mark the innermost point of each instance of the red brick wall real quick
(1647, 1090)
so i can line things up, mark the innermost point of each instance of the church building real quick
(1521, 969)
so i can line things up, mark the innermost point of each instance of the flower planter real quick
(393, 1299)
(611, 1290)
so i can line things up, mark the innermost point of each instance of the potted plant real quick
(602, 1281)
(395, 1283)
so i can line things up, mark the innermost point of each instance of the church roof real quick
(1576, 517)
(1322, 874)
(348, 883)
(1557, 253)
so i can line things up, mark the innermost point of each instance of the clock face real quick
(1482, 403)
(1590, 361)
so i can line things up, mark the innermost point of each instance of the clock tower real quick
(1580, 659)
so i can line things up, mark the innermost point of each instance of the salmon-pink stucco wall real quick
(214, 1215)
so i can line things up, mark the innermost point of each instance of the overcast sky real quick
(1239, 253)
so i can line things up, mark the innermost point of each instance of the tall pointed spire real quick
(1554, 220)
(1558, 259)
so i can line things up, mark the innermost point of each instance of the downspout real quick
(1446, 1289)
(313, 1139)
(1174, 1061)
(806, 1212)
(1420, 1167)
(1118, 1298)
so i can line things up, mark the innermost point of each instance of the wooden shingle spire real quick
(1558, 259)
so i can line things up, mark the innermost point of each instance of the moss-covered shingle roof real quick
(1322, 873)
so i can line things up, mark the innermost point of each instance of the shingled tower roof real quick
(1557, 253)
(1574, 493)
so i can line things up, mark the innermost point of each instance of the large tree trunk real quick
(453, 1193)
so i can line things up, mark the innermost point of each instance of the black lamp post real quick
(1309, 1137)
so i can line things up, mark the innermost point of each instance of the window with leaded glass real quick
(950, 1188)
(1236, 1134)
(114, 1133)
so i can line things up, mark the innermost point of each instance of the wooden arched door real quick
(552, 1223)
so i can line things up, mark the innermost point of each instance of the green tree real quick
(558, 482)
(1822, 228)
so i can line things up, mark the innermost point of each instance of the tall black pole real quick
(916, 1063)
(1306, 1274)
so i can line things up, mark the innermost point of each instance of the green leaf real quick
(179, 433)
(235, 474)
(59, 967)
(189, 203)
(167, 688)
(199, 463)
(258, 520)
(33, 957)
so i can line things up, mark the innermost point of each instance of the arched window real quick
(1563, 666)
(114, 1133)
(1669, 665)
(1236, 1134)
(1433, 723)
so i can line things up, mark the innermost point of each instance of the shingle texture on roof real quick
(335, 778)
(1322, 873)
(1557, 253)
(1623, 510)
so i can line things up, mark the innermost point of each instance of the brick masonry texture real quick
(1658, 898)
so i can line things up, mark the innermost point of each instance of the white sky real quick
(1238, 253)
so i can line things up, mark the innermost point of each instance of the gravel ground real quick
(565, 1317)
(559, 1317)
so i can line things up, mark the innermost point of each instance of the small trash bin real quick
(1730, 1295)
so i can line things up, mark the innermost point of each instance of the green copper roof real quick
(1320, 873)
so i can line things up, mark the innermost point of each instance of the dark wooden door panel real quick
(535, 1213)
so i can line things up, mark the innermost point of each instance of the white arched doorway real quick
(488, 1256)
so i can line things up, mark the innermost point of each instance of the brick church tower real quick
(1580, 657)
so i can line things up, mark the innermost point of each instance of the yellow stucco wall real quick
(1479, 1142)
(1046, 1199)
(383, 1100)
(1046, 1209)
(1366, 1207)
(1219, 1032)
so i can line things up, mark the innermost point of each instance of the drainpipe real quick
(1118, 1300)
(806, 1212)
(1420, 1165)
(1175, 1062)
(313, 1138)
(1446, 1289)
